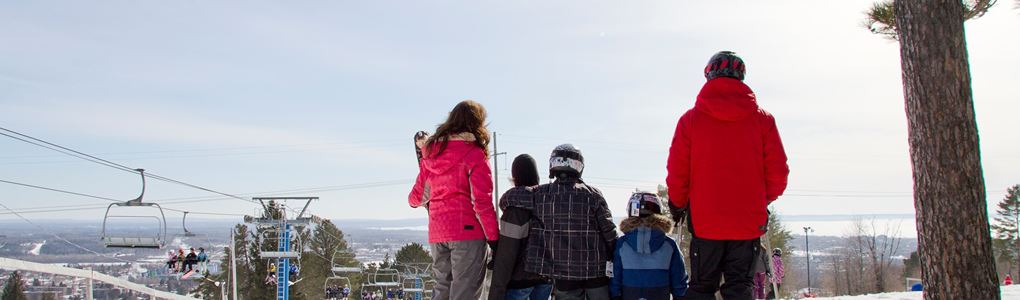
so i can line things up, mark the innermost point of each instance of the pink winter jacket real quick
(456, 186)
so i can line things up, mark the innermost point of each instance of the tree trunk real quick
(949, 189)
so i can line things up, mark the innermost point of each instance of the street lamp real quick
(807, 252)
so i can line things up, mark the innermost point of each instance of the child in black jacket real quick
(509, 279)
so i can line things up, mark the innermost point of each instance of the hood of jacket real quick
(726, 99)
(646, 234)
(458, 147)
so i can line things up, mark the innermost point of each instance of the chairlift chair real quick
(411, 285)
(156, 241)
(343, 280)
(273, 251)
(391, 276)
(337, 268)
(184, 225)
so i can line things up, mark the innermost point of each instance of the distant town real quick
(371, 240)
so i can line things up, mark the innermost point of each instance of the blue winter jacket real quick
(647, 265)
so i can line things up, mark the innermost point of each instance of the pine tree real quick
(1007, 228)
(15, 288)
(949, 190)
(326, 246)
(412, 254)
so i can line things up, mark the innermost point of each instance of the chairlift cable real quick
(48, 145)
(58, 236)
(60, 191)
(183, 200)
(81, 155)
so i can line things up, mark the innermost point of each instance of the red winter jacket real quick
(457, 186)
(726, 163)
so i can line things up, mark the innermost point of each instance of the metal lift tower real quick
(276, 219)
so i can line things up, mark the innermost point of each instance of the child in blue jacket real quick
(647, 264)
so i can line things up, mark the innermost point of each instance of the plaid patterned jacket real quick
(572, 231)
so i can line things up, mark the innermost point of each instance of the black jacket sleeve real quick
(604, 221)
(513, 233)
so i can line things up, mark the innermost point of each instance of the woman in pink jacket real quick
(455, 185)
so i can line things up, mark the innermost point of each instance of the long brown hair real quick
(467, 117)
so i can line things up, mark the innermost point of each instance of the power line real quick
(57, 236)
(231, 154)
(226, 149)
(65, 150)
(59, 191)
(182, 200)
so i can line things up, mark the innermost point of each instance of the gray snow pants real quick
(459, 269)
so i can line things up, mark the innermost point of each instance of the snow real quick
(1008, 292)
(36, 248)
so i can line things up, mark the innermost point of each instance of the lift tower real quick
(276, 221)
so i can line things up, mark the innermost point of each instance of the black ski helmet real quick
(566, 159)
(725, 64)
(643, 204)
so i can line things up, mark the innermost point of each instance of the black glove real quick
(678, 213)
(492, 259)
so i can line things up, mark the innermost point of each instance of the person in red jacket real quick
(455, 185)
(726, 164)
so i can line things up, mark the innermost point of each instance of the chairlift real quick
(336, 266)
(156, 241)
(272, 250)
(430, 285)
(413, 285)
(345, 282)
(390, 279)
(184, 224)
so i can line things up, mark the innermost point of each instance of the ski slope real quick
(1008, 292)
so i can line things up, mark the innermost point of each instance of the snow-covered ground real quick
(1008, 292)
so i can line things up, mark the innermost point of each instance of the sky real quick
(252, 97)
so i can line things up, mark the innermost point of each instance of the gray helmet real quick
(725, 64)
(566, 159)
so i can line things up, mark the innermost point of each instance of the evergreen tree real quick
(949, 187)
(412, 258)
(326, 246)
(15, 288)
(1006, 226)
(912, 266)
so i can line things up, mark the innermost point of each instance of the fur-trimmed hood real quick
(645, 235)
(658, 222)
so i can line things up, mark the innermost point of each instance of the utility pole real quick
(807, 252)
(233, 265)
(495, 170)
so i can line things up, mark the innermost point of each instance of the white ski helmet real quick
(566, 158)
(642, 204)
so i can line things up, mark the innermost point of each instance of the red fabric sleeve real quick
(481, 196)
(678, 166)
(776, 169)
(416, 197)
